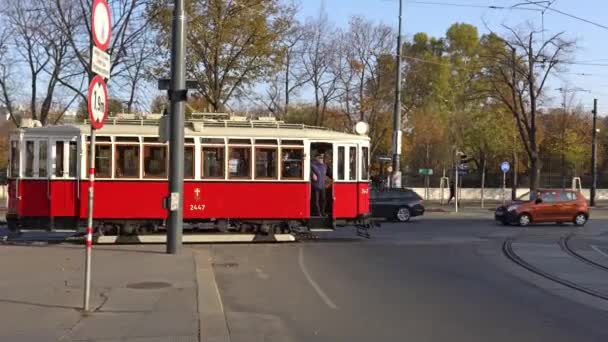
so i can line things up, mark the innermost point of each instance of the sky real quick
(592, 45)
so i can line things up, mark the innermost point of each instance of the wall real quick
(472, 194)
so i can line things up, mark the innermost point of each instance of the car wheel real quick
(403, 214)
(524, 220)
(580, 220)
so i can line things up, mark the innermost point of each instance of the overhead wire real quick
(570, 15)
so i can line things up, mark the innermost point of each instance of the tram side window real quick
(292, 163)
(352, 165)
(239, 162)
(189, 162)
(14, 158)
(127, 161)
(155, 161)
(59, 159)
(341, 162)
(42, 158)
(103, 161)
(266, 163)
(213, 162)
(29, 159)
(365, 163)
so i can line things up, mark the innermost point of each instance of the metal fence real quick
(548, 179)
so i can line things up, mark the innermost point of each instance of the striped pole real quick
(89, 242)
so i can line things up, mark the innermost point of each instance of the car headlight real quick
(512, 207)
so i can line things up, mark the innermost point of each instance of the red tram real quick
(240, 176)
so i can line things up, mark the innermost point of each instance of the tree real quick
(517, 71)
(231, 44)
(130, 22)
(6, 75)
(295, 77)
(318, 60)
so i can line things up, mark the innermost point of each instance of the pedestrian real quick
(318, 170)
(452, 192)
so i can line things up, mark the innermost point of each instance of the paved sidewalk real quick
(139, 294)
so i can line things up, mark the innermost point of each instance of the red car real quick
(546, 205)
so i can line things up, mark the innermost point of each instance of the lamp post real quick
(396, 181)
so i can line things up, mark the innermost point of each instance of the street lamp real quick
(396, 179)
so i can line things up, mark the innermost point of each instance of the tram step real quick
(321, 223)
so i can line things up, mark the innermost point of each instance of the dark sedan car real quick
(396, 204)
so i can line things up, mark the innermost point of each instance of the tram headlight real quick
(361, 128)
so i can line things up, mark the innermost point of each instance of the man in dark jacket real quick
(318, 170)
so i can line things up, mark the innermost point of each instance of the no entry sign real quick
(98, 102)
(101, 24)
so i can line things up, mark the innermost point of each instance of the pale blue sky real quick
(435, 19)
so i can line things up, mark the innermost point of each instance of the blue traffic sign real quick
(505, 167)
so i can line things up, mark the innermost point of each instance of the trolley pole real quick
(177, 96)
(89, 241)
(594, 156)
(397, 107)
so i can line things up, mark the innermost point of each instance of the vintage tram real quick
(241, 176)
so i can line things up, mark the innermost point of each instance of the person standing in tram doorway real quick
(318, 170)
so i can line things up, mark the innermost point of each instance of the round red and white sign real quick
(101, 24)
(98, 102)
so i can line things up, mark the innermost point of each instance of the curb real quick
(213, 326)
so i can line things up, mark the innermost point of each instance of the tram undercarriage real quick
(262, 230)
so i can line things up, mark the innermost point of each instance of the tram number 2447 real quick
(197, 207)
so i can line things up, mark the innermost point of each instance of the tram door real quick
(325, 149)
(345, 191)
(65, 182)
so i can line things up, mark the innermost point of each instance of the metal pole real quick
(456, 182)
(89, 241)
(177, 94)
(397, 107)
(504, 186)
(594, 155)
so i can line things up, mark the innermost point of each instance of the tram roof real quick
(207, 129)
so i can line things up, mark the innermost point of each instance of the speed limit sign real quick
(98, 102)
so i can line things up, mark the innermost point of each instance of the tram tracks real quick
(563, 242)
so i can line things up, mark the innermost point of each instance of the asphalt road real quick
(431, 280)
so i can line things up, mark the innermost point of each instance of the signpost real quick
(426, 173)
(504, 167)
(100, 63)
(101, 32)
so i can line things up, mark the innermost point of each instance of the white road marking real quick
(595, 248)
(313, 283)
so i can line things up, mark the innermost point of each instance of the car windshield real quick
(528, 196)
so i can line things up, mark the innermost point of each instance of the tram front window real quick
(14, 159)
(364, 163)
(42, 158)
(59, 159)
(352, 166)
(73, 159)
(29, 159)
